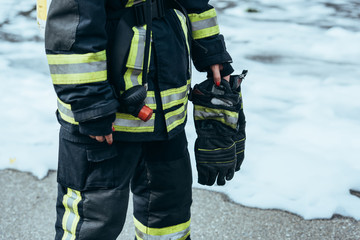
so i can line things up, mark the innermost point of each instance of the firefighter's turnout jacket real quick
(80, 45)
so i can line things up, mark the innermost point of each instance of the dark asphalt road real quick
(27, 212)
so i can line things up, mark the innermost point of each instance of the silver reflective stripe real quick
(77, 68)
(177, 115)
(175, 98)
(71, 215)
(135, 59)
(141, 48)
(134, 76)
(171, 236)
(150, 101)
(136, 123)
(203, 24)
(65, 110)
(220, 116)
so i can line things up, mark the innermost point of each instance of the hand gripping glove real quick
(216, 113)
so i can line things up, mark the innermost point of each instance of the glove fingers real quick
(239, 161)
(203, 175)
(221, 178)
(230, 174)
(212, 178)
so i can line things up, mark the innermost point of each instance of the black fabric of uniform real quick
(161, 183)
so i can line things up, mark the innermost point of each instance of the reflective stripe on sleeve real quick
(65, 112)
(71, 216)
(224, 116)
(204, 24)
(78, 68)
(176, 232)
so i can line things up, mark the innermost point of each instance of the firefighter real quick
(121, 71)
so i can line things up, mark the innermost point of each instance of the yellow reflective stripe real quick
(67, 106)
(65, 112)
(134, 47)
(130, 3)
(135, 61)
(78, 68)
(128, 123)
(79, 78)
(214, 110)
(68, 119)
(76, 58)
(150, 100)
(207, 32)
(176, 117)
(175, 90)
(195, 17)
(204, 24)
(162, 231)
(226, 117)
(71, 216)
(132, 77)
(77, 216)
(182, 19)
(175, 96)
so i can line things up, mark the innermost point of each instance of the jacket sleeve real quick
(208, 46)
(75, 42)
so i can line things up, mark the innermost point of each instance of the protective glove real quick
(98, 127)
(216, 112)
(240, 136)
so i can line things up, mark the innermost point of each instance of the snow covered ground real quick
(301, 101)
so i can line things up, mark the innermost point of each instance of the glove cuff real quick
(98, 127)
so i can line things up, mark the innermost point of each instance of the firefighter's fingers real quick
(216, 73)
(93, 137)
(100, 138)
(227, 78)
(109, 138)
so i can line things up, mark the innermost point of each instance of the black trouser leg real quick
(93, 188)
(162, 190)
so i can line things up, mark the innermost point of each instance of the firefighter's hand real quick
(108, 138)
(100, 128)
(217, 75)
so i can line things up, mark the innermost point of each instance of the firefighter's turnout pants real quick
(158, 172)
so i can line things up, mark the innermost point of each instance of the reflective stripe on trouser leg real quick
(162, 191)
(68, 214)
(91, 214)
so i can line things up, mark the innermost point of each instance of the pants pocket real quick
(84, 166)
